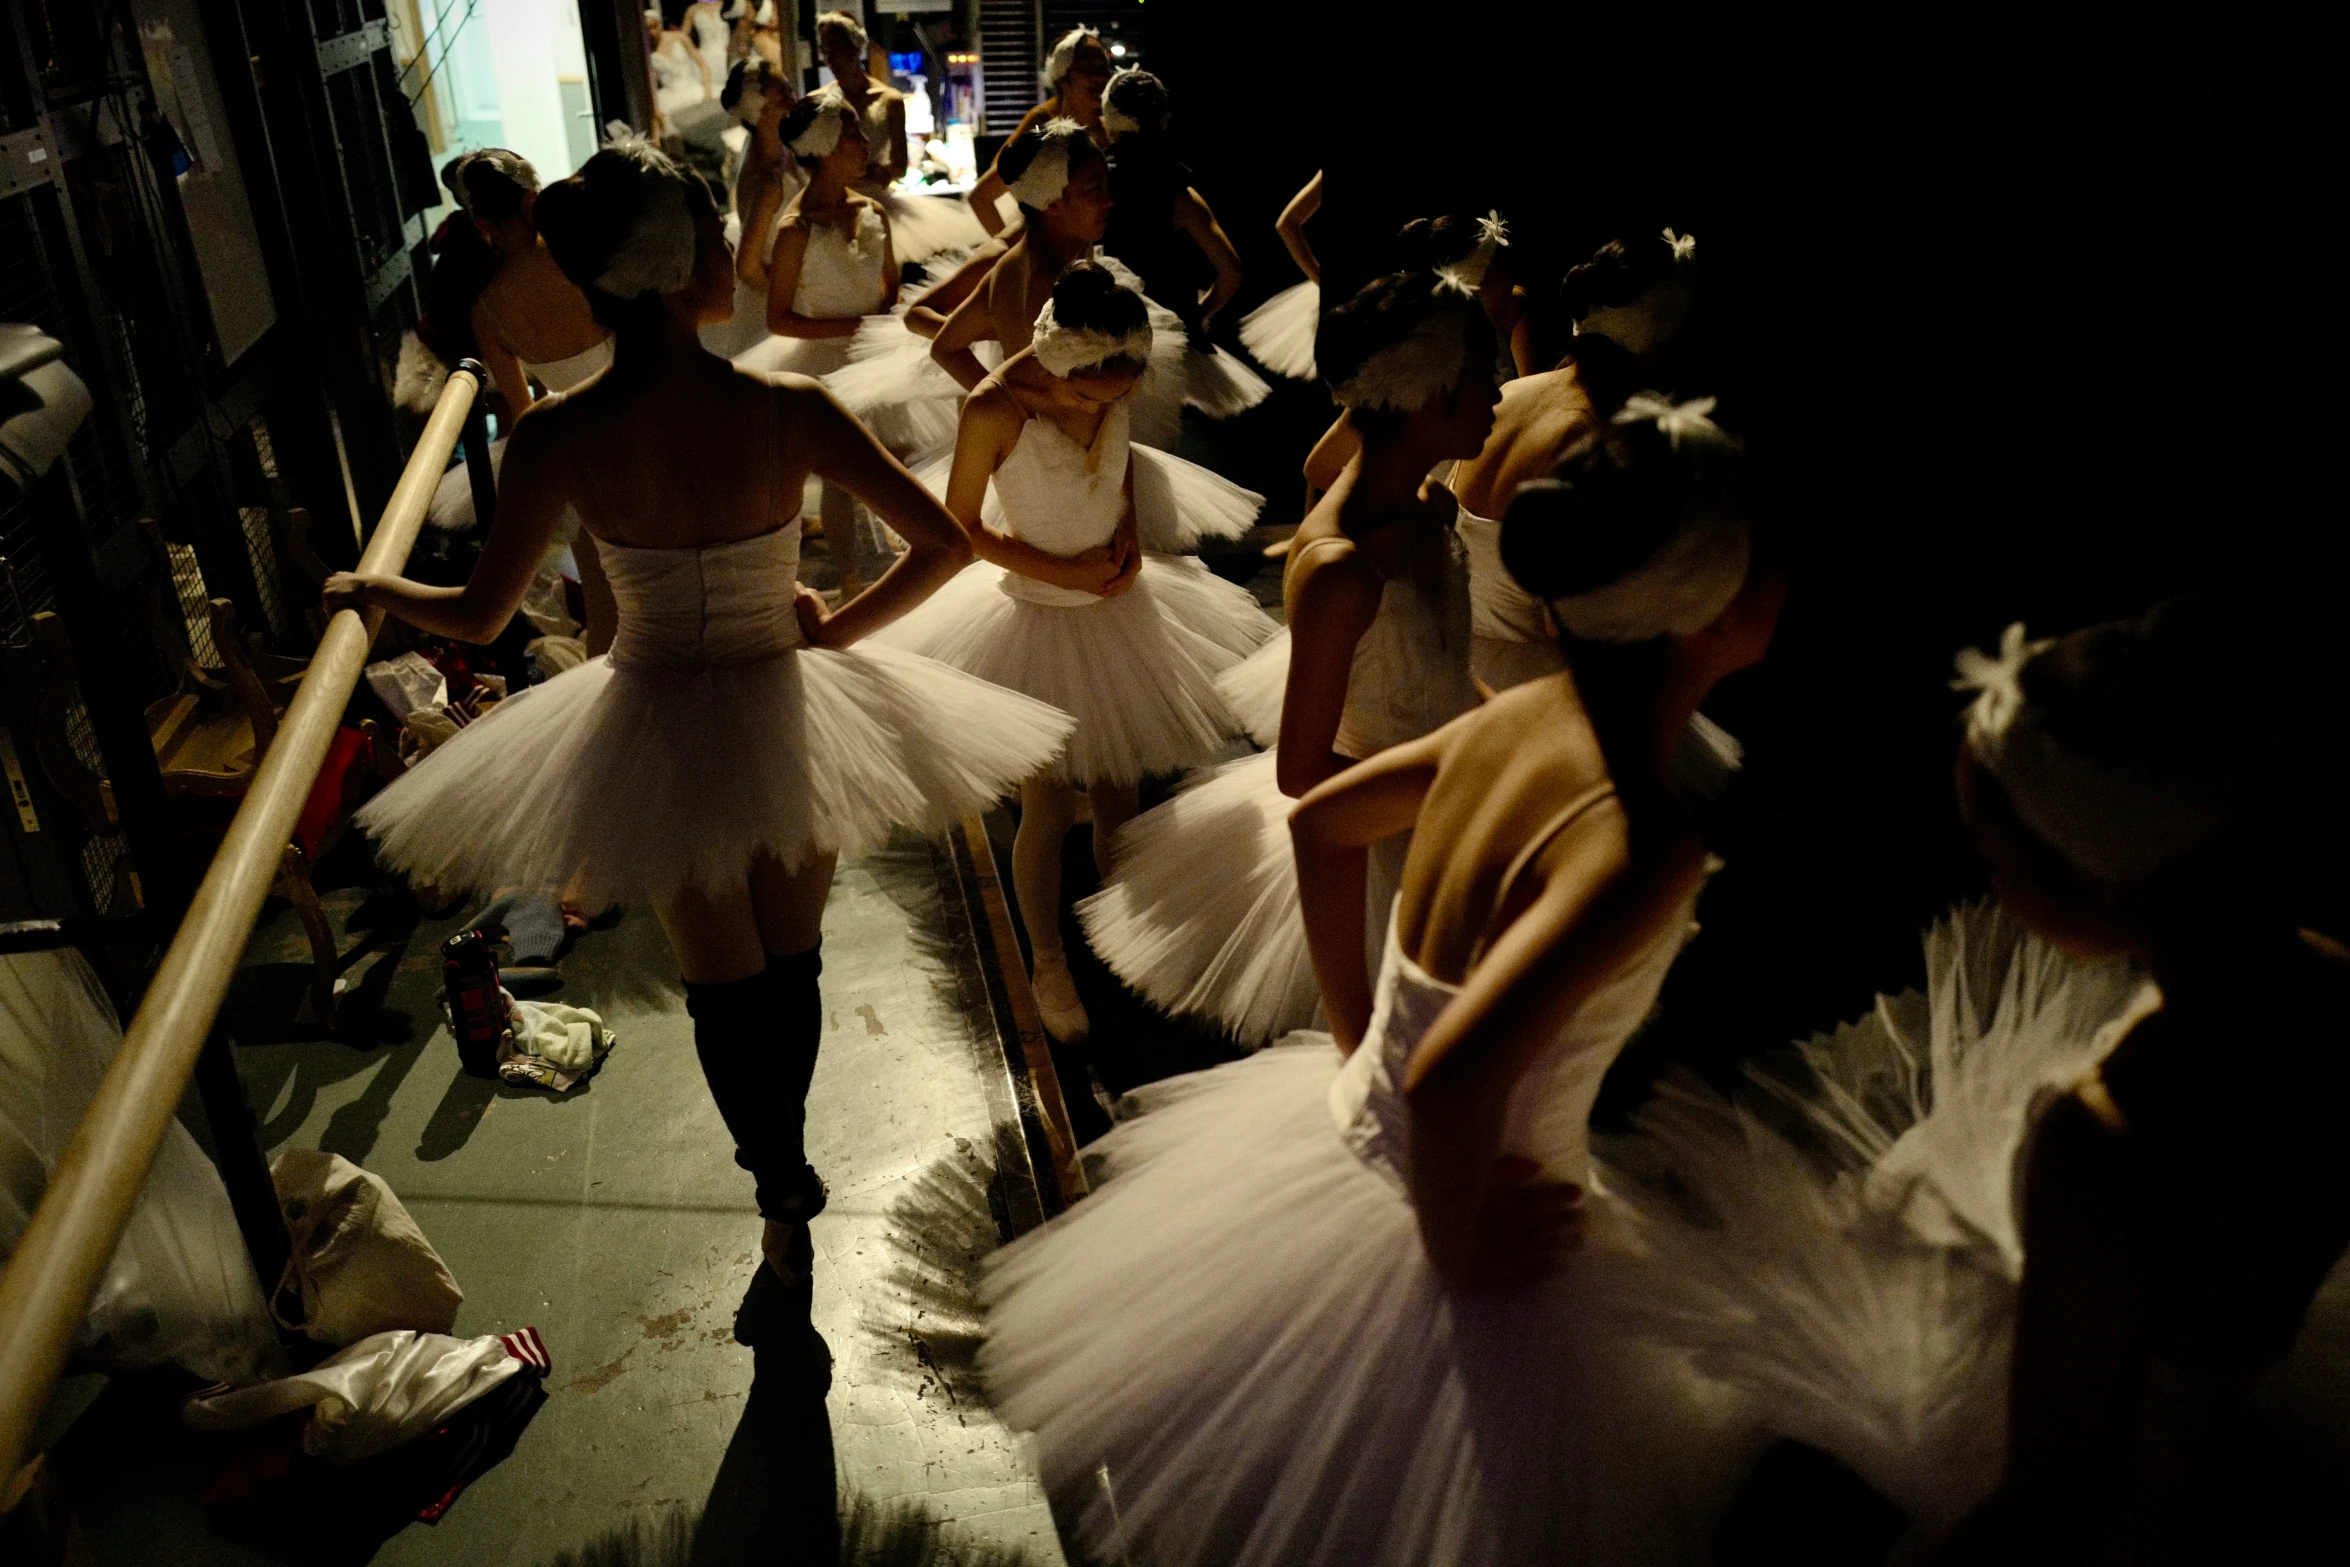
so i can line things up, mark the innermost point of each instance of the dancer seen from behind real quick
(1159, 225)
(925, 226)
(733, 745)
(1076, 72)
(2070, 1223)
(758, 96)
(1280, 332)
(835, 264)
(1066, 606)
(1356, 1299)
(1545, 414)
(1202, 915)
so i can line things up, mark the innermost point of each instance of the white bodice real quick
(1550, 1108)
(1062, 498)
(1499, 608)
(564, 374)
(711, 605)
(1410, 675)
(840, 275)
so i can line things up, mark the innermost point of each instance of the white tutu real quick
(922, 228)
(649, 769)
(1242, 1328)
(896, 389)
(744, 327)
(1177, 502)
(773, 353)
(1203, 914)
(1848, 1255)
(1138, 672)
(1255, 689)
(1280, 332)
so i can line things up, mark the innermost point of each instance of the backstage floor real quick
(615, 1220)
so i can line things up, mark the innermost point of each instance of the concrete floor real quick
(615, 1220)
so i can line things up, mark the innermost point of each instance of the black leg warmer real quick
(757, 1038)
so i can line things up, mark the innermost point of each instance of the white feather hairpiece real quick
(1674, 421)
(657, 254)
(1403, 376)
(1114, 120)
(823, 134)
(1063, 54)
(2119, 824)
(1684, 245)
(1047, 174)
(1065, 350)
(1493, 234)
(513, 165)
(1681, 590)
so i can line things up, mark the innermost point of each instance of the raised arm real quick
(849, 456)
(1332, 603)
(1332, 831)
(1193, 216)
(894, 169)
(1291, 226)
(930, 310)
(507, 377)
(991, 186)
(532, 492)
(1337, 447)
(750, 253)
(971, 322)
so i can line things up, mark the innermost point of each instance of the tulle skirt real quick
(1241, 1328)
(1138, 672)
(921, 228)
(1840, 1242)
(896, 389)
(772, 353)
(1177, 503)
(746, 326)
(634, 782)
(1280, 332)
(1256, 688)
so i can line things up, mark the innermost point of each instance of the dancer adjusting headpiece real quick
(2117, 819)
(1065, 350)
(657, 247)
(1403, 376)
(1675, 587)
(832, 117)
(1047, 174)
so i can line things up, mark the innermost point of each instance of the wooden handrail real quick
(63, 1256)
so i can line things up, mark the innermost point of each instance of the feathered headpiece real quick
(1403, 376)
(656, 254)
(2117, 823)
(1065, 350)
(1493, 234)
(1642, 323)
(1130, 84)
(511, 164)
(1047, 174)
(833, 118)
(1685, 585)
(1063, 54)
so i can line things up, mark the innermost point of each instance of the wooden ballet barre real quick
(98, 1179)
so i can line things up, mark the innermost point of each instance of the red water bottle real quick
(471, 996)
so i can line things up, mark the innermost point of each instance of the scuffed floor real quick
(615, 1220)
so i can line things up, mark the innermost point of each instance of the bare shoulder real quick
(992, 406)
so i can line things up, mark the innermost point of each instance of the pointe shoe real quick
(1056, 999)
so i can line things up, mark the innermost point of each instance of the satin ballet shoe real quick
(1057, 1005)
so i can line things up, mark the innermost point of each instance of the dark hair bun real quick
(1141, 97)
(482, 188)
(1619, 272)
(1602, 512)
(1424, 244)
(803, 114)
(2116, 691)
(1089, 297)
(1387, 310)
(582, 227)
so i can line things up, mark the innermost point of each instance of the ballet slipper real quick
(1056, 999)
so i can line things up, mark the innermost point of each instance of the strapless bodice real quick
(1063, 498)
(1550, 1109)
(840, 274)
(1498, 606)
(564, 374)
(1410, 674)
(715, 604)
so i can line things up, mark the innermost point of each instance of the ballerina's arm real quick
(894, 169)
(1194, 217)
(991, 186)
(1339, 445)
(989, 429)
(531, 496)
(973, 321)
(1332, 602)
(1291, 226)
(1332, 831)
(893, 276)
(930, 310)
(1481, 1218)
(849, 456)
(750, 254)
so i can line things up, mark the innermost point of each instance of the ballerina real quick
(1279, 1340)
(758, 96)
(1075, 73)
(1159, 225)
(834, 264)
(925, 226)
(1202, 914)
(733, 745)
(1066, 605)
(2067, 1231)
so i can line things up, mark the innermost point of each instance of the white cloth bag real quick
(360, 1265)
(369, 1398)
